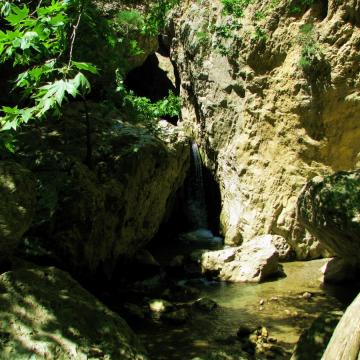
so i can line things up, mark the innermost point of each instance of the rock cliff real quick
(272, 97)
(91, 216)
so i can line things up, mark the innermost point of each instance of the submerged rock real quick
(17, 205)
(46, 314)
(329, 207)
(205, 304)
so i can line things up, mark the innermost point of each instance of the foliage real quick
(310, 48)
(51, 67)
(38, 42)
(235, 7)
(142, 109)
(156, 17)
(299, 5)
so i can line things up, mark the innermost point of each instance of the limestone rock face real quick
(265, 123)
(17, 204)
(254, 261)
(90, 217)
(46, 314)
(330, 208)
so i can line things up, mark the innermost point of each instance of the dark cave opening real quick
(154, 79)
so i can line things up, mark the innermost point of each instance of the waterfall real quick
(197, 213)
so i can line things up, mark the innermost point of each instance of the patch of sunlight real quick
(201, 343)
(356, 218)
(7, 183)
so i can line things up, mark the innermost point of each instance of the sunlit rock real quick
(254, 261)
(264, 124)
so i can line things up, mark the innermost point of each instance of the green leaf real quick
(82, 83)
(85, 66)
(17, 15)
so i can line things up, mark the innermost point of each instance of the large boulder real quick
(17, 204)
(266, 123)
(92, 215)
(329, 207)
(254, 261)
(46, 314)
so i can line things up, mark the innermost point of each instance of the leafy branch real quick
(37, 41)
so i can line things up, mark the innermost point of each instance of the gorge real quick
(180, 180)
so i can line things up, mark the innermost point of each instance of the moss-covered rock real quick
(17, 204)
(329, 207)
(45, 314)
(90, 216)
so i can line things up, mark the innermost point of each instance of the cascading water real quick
(196, 204)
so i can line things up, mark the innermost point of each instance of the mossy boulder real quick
(17, 204)
(91, 216)
(329, 207)
(45, 314)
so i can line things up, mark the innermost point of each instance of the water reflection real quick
(285, 306)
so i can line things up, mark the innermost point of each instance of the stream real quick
(284, 306)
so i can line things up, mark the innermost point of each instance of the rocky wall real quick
(266, 121)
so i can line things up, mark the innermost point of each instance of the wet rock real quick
(177, 317)
(329, 207)
(17, 205)
(315, 339)
(160, 305)
(45, 313)
(307, 295)
(205, 304)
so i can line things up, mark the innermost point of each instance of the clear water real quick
(278, 305)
